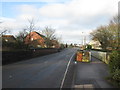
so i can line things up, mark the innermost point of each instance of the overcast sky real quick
(69, 17)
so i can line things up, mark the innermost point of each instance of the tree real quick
(26, 31)
(113, 30)
(50, 35)
(109, 35)
(31, 25)
(88, 47)
(116, 23)
(3, 32)
(20, 39)
(66, 45)
(29, 28)
(102, 35)
(21, 35)
(71, 45)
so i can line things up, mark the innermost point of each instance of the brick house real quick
(34, 39)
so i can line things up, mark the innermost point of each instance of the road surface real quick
(41, 72)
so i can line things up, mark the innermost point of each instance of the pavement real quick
(41, 72)
(91, 75)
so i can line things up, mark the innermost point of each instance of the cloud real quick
(80, 8)
(56, 10)
(70, 18)
(27, 11)
(79, 13)
(11, 24)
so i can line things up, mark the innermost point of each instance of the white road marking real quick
(66, 72)
(84, 86)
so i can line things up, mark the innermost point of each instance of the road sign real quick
(83, 56)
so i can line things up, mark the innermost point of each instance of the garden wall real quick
(104, 56)
(14, 56)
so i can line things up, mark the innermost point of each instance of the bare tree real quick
(21, 35)
(50, 35)
(3, 30)
(29, 28)
(31, 25)
(49, 32)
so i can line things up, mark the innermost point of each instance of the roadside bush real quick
(114, 67)
(21, 45)
(114, 62)
(89, 47)
(116, 75)
(15, 45)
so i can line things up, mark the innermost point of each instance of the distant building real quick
(95, 44)
(36, 40)
(8, 42)
(8, 38)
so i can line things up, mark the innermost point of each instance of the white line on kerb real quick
(66, 72)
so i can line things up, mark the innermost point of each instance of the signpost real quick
(83, 56)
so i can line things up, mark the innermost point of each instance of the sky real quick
(73, 20)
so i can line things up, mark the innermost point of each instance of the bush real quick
(114, 62)
(21, 45)
(15, 45)
(114, 67)
(116, 75)
(89, 47)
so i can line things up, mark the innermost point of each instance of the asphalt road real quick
(91, 75)
(41, 72)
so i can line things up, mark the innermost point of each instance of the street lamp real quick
(83, 40)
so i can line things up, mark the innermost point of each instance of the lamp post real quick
(82, 39)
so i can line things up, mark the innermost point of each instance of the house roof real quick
(7, 36)
(40, 35)
(36, 33)
(94, 42)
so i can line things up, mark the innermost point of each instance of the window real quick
(31, 39)
(6, 40)
(38, 45)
